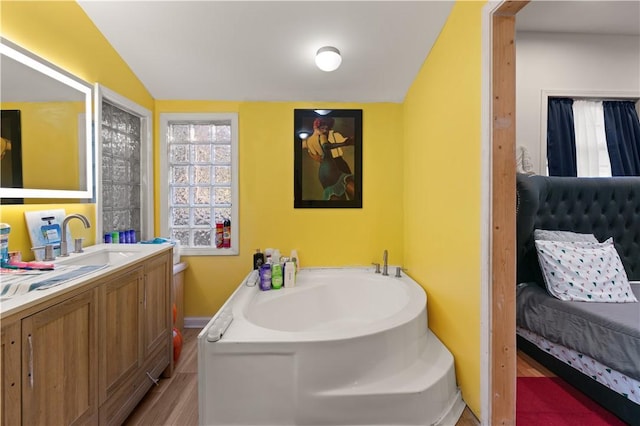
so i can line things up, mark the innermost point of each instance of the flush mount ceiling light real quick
(328, 58)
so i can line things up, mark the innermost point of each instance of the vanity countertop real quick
(79, 268)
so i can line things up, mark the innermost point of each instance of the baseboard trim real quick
(196, 322)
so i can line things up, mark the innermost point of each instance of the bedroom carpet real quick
(549, 401)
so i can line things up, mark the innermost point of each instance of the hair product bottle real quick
(276, 276)
(226, 233)
(258, 259)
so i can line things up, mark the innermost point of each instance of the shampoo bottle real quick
(276, 276)
(265, 277)
(258, 259)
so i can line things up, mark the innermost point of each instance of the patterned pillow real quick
(548, 235)
(583, 271)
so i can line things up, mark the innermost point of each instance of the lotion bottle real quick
(289, 274)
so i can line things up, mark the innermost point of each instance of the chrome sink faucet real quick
(64, 250)
(385, 259)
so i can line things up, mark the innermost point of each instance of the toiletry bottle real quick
(258, 259)
(226, 233)
(289, 274)
(295, 259)
(265, 277)
(5, 229)
(276, 275)
(268, 252)
(275, 256)
(219, 232)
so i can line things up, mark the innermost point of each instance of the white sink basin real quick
(104, 256)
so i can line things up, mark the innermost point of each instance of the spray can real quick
(219, 232)
(226, 233)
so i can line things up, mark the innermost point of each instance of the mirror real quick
(46, 129)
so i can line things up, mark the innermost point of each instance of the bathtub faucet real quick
(385, 258)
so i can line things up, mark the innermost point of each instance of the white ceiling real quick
(264, 50)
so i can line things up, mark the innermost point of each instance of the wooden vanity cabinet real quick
(60, 363)
(10, 387)
(136, 348)
(50, 363)
(89, 356)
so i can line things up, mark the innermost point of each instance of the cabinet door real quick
(120, 327)
(59, 363)
(10, 379)
(156, 303)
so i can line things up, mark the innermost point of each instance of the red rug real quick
(549, 401)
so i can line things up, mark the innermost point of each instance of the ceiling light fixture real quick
(328, 58)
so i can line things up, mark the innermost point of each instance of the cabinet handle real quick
(29, 339)
(145, 292)
(155, 381)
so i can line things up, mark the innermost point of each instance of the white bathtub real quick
(344, 346)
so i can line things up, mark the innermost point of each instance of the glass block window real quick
(201, 179)
(121, 142)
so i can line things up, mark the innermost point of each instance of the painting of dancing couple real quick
(328, 158)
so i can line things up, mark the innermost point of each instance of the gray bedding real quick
(607, 332)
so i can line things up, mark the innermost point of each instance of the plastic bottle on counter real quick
(265, 277)
(294, 258)
(258, 259)
(276, 275)
(5, 229)
(289, 274)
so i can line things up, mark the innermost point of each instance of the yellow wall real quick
(421, 174)
(442, 190)
(267, 217)
(49, 133)
(61, 33)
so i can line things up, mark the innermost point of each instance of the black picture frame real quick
(11, 161)
(327, 177)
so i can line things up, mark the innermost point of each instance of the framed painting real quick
(10, 152)
(328, 158)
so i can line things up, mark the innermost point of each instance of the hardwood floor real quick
(174, 402)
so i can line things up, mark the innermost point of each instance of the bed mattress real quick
(606, 332)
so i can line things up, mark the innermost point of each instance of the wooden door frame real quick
(502, 333)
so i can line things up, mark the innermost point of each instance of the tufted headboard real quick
(605, 207)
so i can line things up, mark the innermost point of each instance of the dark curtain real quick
(623, 137)
(561, 138)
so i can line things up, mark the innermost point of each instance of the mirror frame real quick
(33, 61)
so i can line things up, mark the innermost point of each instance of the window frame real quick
(165, 119)
(147, 221)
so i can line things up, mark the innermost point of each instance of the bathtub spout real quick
(385, 258)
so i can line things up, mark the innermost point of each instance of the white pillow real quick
(583, 271)
(548, 235)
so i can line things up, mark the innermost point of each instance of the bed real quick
(594, 345)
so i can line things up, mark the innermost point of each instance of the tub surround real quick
(344, 346)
